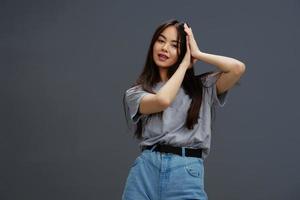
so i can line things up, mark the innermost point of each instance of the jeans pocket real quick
(194, 169)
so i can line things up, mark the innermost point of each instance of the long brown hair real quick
(191, 84)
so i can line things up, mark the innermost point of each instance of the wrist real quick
(184, 65)
(198, 55)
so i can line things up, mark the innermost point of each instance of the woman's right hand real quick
(187, 60)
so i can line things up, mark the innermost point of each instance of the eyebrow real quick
(166, 38)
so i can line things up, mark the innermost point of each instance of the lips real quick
(163, 56)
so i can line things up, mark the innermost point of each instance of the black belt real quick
(176, 150)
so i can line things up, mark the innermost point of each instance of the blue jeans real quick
(165, 176)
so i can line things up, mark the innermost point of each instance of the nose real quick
(165, 47)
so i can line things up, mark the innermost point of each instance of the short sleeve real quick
(210, 82)
(133, 97)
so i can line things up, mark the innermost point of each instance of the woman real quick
(170, 109)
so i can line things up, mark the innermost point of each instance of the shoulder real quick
(134, 88)
(135, 92)
(209, 78)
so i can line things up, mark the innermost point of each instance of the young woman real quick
(170, 109)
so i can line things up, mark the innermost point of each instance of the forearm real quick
(170, 89)
(225, 64)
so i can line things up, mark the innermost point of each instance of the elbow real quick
(163, 102)
(239, 68)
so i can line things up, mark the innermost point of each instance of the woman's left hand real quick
(193, 44)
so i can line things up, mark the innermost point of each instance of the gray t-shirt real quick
(170, 129)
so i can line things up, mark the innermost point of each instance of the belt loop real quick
(153, 147)
(183, 151)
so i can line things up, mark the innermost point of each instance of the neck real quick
(163, 74)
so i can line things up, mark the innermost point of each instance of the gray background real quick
(65, 65)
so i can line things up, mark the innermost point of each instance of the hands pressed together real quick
(192, 50)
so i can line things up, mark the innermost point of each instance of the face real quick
(166, 48)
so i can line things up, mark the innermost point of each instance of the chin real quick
(163, 65)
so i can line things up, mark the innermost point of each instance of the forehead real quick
(170, 33)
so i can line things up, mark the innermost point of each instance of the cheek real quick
(175, 53)
(156, 45)
(155, 49)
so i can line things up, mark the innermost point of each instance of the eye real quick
(159, 40)
(175, 45)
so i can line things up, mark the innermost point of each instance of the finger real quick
(191, 34)
(187, 43)
(188, 32)
(187, 27)
(186, 39)
(187, 48)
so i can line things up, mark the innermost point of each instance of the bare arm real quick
(169, 90)
(232, 69)
(152, 103)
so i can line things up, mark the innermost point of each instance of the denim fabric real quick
(165, 176)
